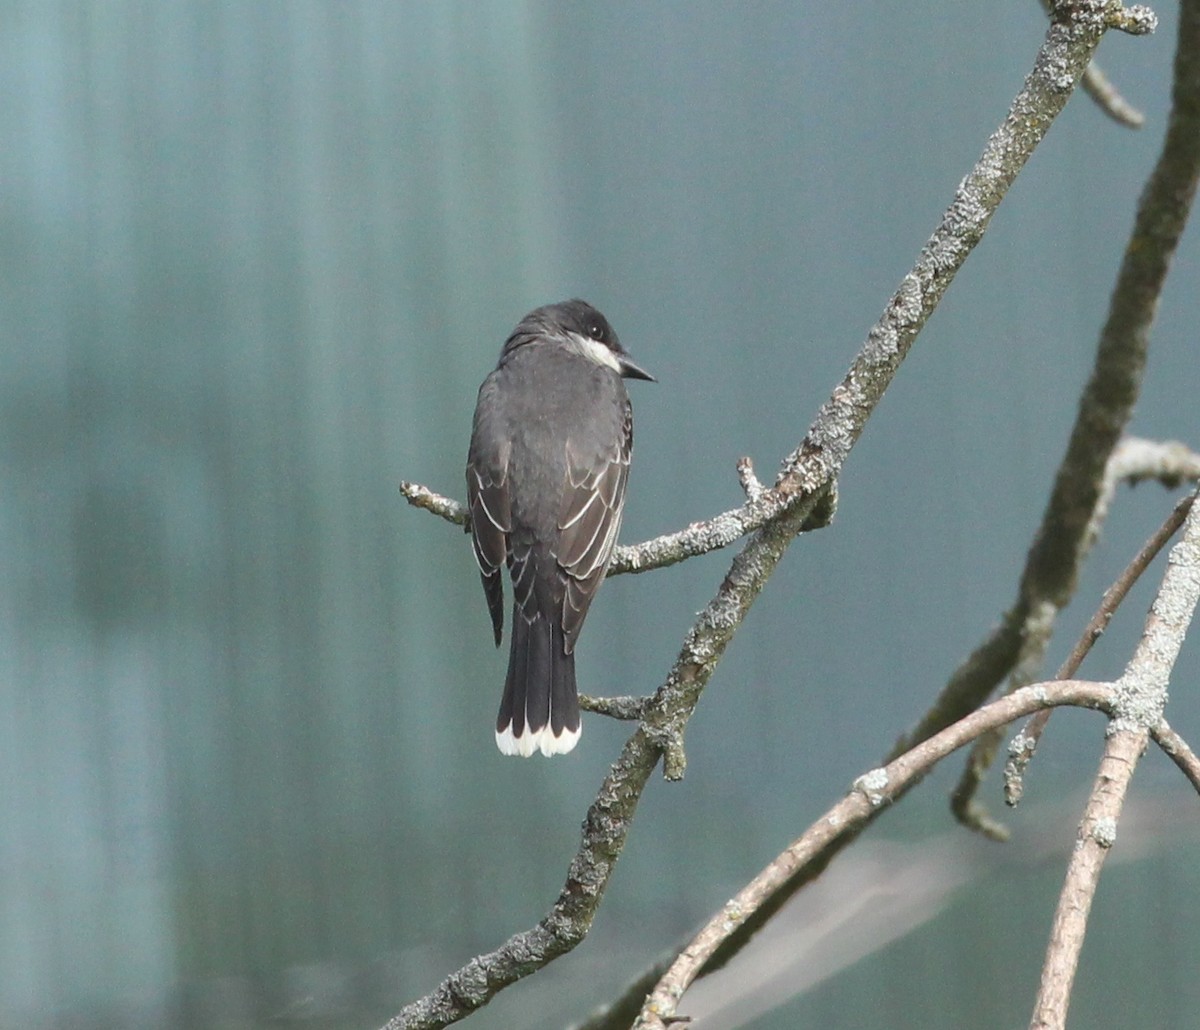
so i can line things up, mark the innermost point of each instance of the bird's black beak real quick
(630, 370)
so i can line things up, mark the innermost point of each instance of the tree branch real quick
(1108, 98)
(1018, 643)
(1097, 86)
(444, 507)
(1024, 745)
(1078, 502)
(806, 478)
(762, 505)
(626, 708)
(1141, 696)
(871, 792)
(1177, 749)
(1135, 704)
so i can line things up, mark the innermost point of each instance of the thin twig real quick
(1097, 85)
(801, 489)
(1076, 506)
(1074, 513)
(1177, 749)
(762, 505)
(627, 708)
(1024, 745)
(1140, 699)
(444, 507)
(750, 484)
(871, 792)
(1108, 98)
(1133, 461)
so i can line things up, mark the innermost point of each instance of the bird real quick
(548, 464)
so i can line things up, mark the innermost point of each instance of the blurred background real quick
(256, 259)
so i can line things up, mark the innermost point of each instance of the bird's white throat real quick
(595, 351)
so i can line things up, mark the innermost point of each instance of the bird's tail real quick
(540, 707)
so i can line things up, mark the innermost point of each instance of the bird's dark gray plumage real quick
(546, 475)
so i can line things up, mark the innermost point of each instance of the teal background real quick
(255, 259)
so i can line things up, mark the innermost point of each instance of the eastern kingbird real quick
(546, 475)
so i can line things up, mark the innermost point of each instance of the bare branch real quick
(1025, 744)
(749, 480)
(444, 507)
(1111, 392)
(1177, 749)
(568, 921)
(803, 483)
(870, 793)
(808, 471)
(1097, 85)
(627, 708)
(1097, 833)
(1078, 500)
(761, 506)
(1137, 19)
(764, 505)
(1134, 461)
(1140, 698)
(1072, 517)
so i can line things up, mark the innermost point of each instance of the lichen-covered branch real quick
(1141, 696)
(1076, 504)
(808, 470)
(1134, 461)
(984, 655)
(1097, 86)
(1135, 705)
(627, 708)
(444, 507)
(568, 921)
(1031, 618)
(762, 505)
(1024, 745)
(870, 792)
(804, 482)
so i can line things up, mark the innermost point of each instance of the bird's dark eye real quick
(595, 333)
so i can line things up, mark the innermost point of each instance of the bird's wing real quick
(491, 521)
(589, 520)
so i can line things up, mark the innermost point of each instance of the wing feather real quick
(589, 520)
(491, 521)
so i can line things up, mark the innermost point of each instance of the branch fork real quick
(803, 496)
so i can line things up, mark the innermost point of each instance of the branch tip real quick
(444, 507)
(1138, 20)
(1177, 749)
(750, 483)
